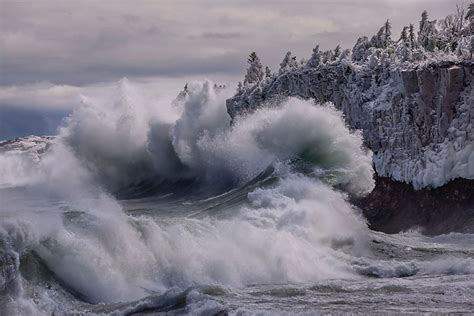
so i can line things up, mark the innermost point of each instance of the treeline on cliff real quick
(411, 95)
(448, 39)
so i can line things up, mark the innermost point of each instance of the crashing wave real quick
(60, 216)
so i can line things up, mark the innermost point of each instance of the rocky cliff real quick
(415, 106)
(419, 122)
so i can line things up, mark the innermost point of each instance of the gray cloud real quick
(82, 42)
(217, 35)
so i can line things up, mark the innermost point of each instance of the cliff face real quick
(393, 207)
(418, 119)
(413, 98)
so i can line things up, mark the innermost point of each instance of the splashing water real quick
(237, 213)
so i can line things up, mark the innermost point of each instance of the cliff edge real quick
(413, 99)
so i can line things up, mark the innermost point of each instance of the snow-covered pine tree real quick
(468, 20)
(450, 32)
(383, 37)
(403, 45)
(387, 33)
(345, 54)
(289, 62)
(239, 87)
(293, 62)
(327, 56)
(315, 58)
(470, 12)
(255, 70)
(427, 34)
(268, 72)
(337, 52)
(360, 49)
(404, 35)
(470, 27)
(377, 40)
(412, 36)
(284, 65)
(423, 22)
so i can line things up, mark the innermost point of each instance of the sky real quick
(52, 51)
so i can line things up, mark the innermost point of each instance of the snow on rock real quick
(414, 104)
(19, 159)
(31, 146)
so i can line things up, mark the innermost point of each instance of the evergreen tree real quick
(239, 87)
(383, 37)
(472, 46)
(293, 62)
(411, 36)
(345, 54)
(315, 59)
(327, 56)
(470, 12)
(402, 49)
(387, 33)
(377, 40)
(427, 32)
(289, 62)
(255, 70)
(424, 20)
(470, 27)
(286, 61)
(337, 51)
(450, 30)
(404, 35)
(360, 49)
(268, 72)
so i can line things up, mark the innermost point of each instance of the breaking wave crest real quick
(125, 140)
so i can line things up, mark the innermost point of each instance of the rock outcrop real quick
(393, 207)
(32, 146)
(415, 107)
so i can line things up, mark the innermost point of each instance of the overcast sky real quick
(50, 50)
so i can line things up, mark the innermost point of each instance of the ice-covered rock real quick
(31, 146)
(414, 106)
(19, 159)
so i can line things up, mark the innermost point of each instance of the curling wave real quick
(124, 141)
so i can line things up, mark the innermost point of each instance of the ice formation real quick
(413, 98)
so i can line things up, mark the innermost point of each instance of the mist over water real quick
(262, 202)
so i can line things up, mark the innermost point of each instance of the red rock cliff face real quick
(439, 91)
(393, 207)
